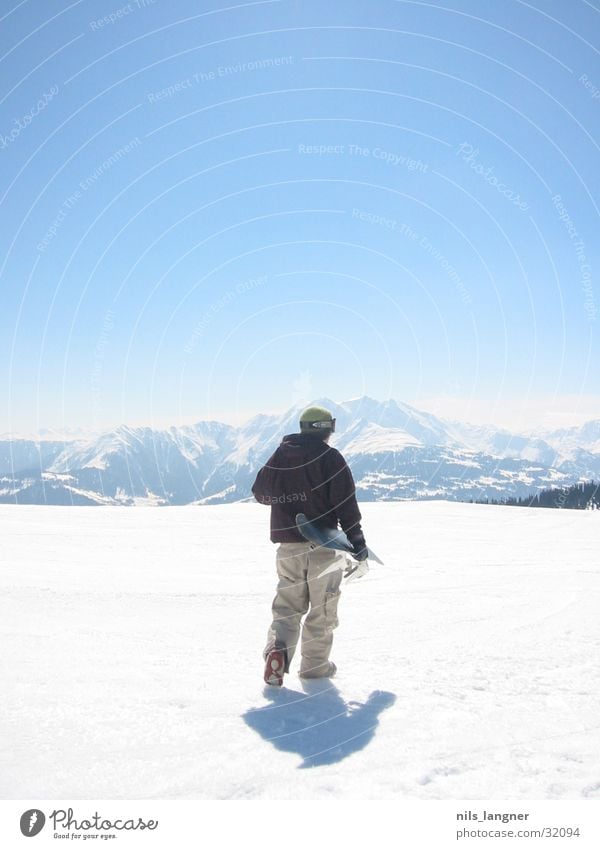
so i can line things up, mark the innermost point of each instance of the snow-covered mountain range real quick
(394, 450)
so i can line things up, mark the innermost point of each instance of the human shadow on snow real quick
(318, 724)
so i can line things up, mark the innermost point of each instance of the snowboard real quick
(328, 537)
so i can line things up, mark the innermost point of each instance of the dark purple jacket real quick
(305, 475)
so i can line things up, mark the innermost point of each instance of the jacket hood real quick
(303, 445)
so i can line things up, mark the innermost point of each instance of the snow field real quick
(467, 665)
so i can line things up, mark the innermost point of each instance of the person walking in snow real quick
(306, 475)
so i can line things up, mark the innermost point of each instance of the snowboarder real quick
(306, 475)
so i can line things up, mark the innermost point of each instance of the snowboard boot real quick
(275, 667)
(322, 670)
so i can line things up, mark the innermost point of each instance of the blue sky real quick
(211, 210)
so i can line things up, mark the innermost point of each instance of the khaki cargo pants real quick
(300, 589)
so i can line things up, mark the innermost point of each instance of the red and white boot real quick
(275, 667)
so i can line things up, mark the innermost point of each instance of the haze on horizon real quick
(528, 417)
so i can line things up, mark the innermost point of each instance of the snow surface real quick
(468, 664)
(374, 439)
